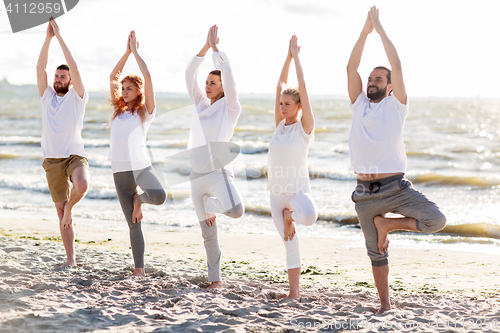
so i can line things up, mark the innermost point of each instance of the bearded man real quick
(63, 108)
(378, 157)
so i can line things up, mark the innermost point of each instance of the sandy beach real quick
(431, 290)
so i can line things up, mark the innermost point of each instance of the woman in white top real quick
(212, 126)
(134, 110)
(287, 170)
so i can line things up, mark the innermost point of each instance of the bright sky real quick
(447, 48)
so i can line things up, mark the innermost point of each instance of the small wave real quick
(341, 218)
(318, 172)
(96, 143)
(429, 154)
(252, 147)
(180, 144)
(38, 186)
(438, 179)
(252, 129)
(20, 140)
(8, 156)
(258, 209)
(251, 172)
(474, 229)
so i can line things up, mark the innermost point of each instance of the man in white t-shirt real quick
(377, 156)
(63, 108)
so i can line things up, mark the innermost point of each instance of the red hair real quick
(119, 104)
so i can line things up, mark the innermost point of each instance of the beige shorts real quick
(58, 172)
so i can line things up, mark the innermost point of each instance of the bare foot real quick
(294, 295)
(139, 272)
(383, 240)
(137, 213)
(210, 217)
(68, 263)
(289, 225)
(215, 285)
(383, 309)
(66, 220)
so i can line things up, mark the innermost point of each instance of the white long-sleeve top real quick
(216, 122)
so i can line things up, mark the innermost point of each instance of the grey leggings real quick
(224, 199)
(126, 183)
(393, 194)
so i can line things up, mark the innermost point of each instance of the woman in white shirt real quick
(287, 171)
(212, 126)
(134, 110)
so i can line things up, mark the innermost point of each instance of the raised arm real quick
(278, 116)
(114, 77)
(206, 47)
(75, 76)
(221, 62)
(194, 90)
(398, 85)
(307, 114)
(148, 83)
(354, 83)
(41, 66)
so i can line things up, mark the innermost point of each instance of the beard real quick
(379, 93)
(62, 89)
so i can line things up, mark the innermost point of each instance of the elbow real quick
(351, 68)
(396, 65)
(114, 76)
(41, 67)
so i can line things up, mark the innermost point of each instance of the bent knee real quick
(309, 219)
(306, 218)
(81, 185)
(236, 212)
(434, 224)
(158, 197)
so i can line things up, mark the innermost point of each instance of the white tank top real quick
(128, 149)
(287, 170)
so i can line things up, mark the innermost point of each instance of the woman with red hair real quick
(134, 111)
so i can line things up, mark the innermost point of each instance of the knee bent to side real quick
(435, 224)
(236, 212)
(158, 197)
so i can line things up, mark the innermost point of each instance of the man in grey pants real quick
(377, 156)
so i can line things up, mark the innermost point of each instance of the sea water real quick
(452, 146)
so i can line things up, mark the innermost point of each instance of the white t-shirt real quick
(376, 140)
(62, 123)
(128, 149)
(287, 170)
(216, 122)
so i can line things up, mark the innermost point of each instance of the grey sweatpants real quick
(126, 183)
(393, 194)
(225, 199)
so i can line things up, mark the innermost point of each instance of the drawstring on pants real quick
(379, 184)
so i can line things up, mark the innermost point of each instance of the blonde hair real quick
(119, 104)
(294, 92)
